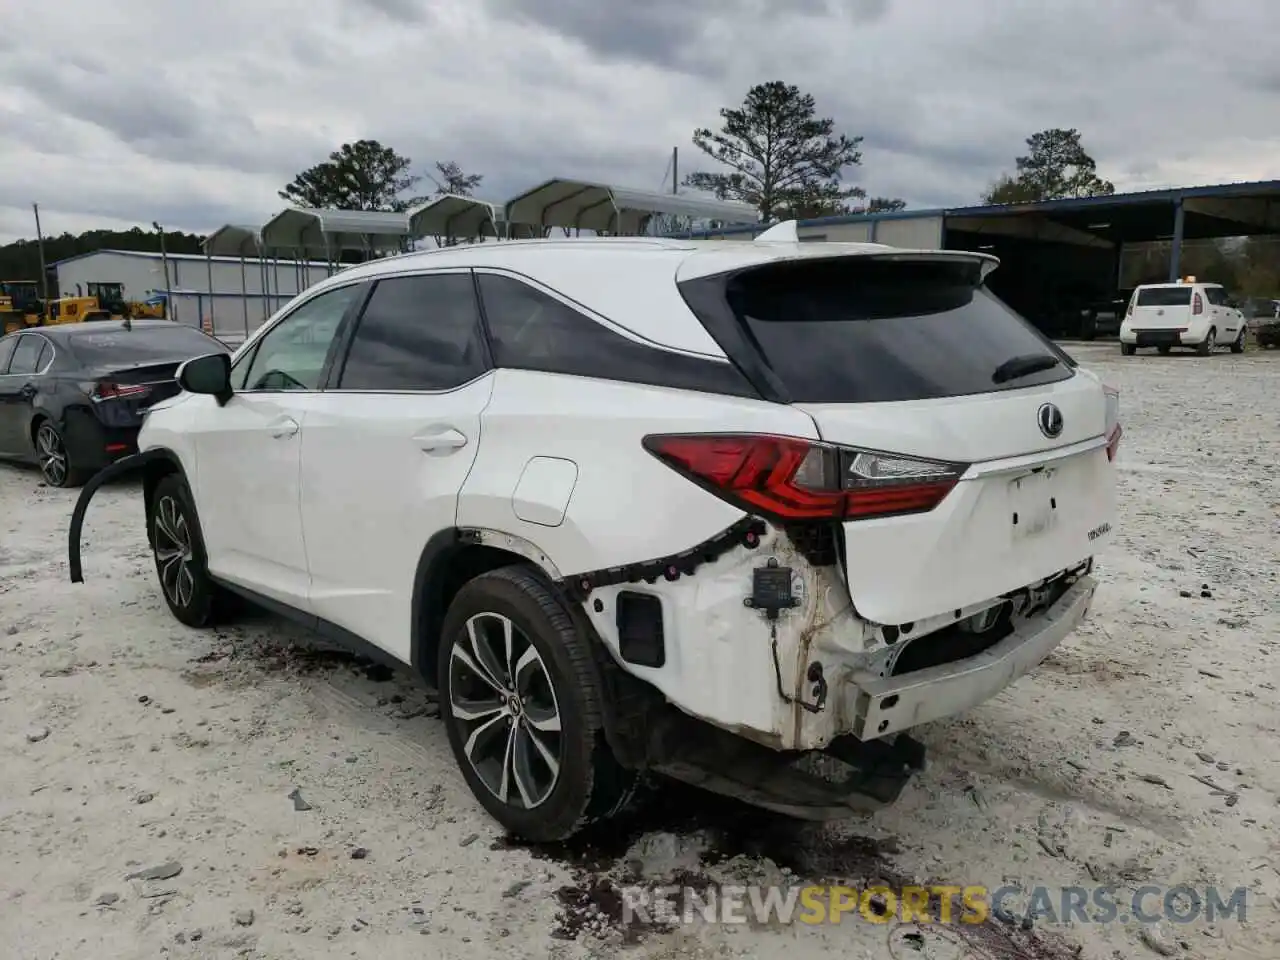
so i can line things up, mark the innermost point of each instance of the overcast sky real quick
(195, 114)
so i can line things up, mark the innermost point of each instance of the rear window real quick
(1164, 297)
(142, 345)
(862, 330)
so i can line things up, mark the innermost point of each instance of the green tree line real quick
(20, 260)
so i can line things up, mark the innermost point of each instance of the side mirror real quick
(210, 374)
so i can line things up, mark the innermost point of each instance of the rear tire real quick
(522, 706)
(1127, 349)
(181, 562)
(1164, 351)
(1210, 342)
(56, 467)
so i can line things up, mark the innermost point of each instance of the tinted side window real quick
(6, 351)
(27, 355)
(291, 355)
(416, 333)
(532, 331)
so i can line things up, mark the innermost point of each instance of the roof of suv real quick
(649, 303)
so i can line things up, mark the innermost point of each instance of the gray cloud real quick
(406, 11)
(232, 99)
(669, 33)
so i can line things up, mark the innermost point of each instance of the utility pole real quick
(675, 169)
(44, 271)
(170, 304)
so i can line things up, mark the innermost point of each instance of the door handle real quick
(441, 441)
(284, 428)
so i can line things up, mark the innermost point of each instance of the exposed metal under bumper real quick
(847, 778)
(884, 706)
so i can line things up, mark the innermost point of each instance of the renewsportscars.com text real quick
(931, 904)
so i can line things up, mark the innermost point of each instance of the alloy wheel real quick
(173, 552)
(501, 694)
(52, 455)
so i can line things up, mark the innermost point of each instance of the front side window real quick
(416, 334)
(291, 355)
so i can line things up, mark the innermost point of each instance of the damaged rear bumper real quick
(883, 706)
(868, 765)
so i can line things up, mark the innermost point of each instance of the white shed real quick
(197, 288)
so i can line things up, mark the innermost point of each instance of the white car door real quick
(387, 447)
(248, 452)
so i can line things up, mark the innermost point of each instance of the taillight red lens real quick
(1197, 305)
(791, 479)
(1113, 441)
(107, 390)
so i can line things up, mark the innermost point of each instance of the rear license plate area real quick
(1033, 504)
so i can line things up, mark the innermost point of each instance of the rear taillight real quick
(1114, 430)
(1197, 305)
(108, 390)
(790, 479)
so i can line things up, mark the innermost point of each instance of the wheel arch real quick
(163, 462)
(452, 558)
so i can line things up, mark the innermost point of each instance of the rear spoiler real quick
(770, 248)
(112, 471)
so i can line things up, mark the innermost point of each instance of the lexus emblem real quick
(1050, 420)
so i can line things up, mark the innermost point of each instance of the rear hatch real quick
(916, 370)
(1165, 308)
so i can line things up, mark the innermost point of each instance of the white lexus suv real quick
(736, 513)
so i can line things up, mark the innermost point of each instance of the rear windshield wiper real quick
(1024, 366)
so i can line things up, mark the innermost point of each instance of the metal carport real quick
(452, 217)
(372, 232)
(621, 211)
(237, 240)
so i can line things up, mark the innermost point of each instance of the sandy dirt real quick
(132, 743)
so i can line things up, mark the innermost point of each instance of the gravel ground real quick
(132, 743)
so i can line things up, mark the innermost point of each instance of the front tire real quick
(1237, 345)
(1127, 349)
(55, 462)
(522, 707)
(178, 547)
